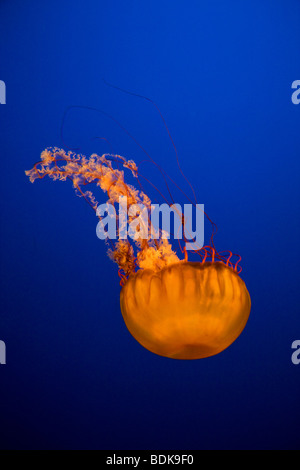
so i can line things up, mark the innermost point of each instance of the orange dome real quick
(186, 310)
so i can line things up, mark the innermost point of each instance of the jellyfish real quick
(173, 307)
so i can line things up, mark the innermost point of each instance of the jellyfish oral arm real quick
(154, 252)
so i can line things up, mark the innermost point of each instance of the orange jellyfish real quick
(172, 307)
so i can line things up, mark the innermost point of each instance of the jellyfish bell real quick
(186, 310)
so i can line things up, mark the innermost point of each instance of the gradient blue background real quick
(221, 72)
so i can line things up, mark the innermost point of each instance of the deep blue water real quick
(221, 73)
